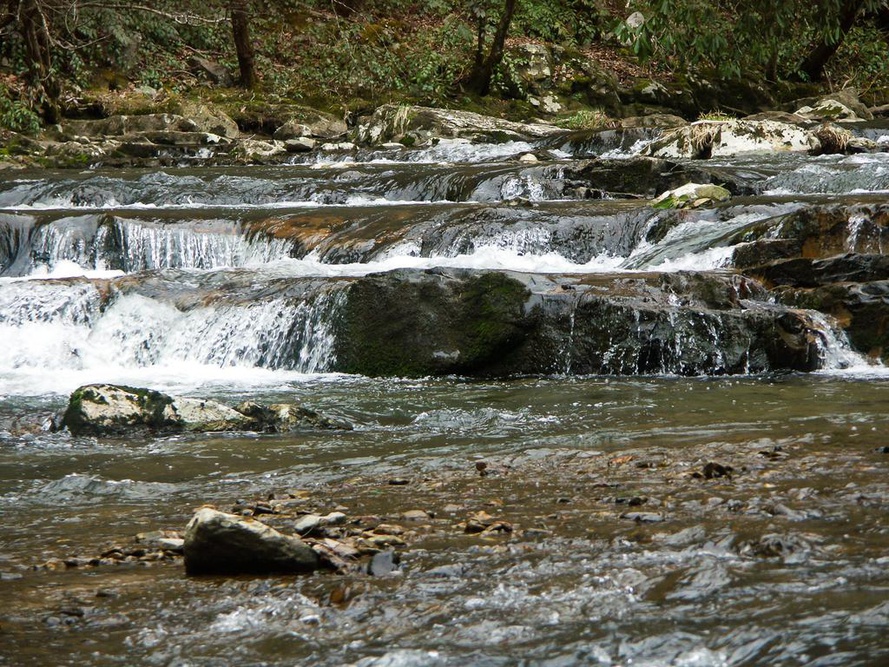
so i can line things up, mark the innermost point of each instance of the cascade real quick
(264, 257)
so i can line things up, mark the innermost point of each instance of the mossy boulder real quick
(434, 322)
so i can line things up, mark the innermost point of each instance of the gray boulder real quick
(416, 125)
(705, 139)
(106, 409)
(311, 123)
(220, 543)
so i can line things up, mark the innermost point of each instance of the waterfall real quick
(62, 325)
(165, 247)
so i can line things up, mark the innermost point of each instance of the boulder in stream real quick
(414, 125)
(705, 139)
(105, 409)
(439, 322)
(220, 543)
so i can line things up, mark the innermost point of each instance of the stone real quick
(416, 125)
(311, 123)
(453, 321)
(258, 150)
(212, 71)
(338, 147)
(691, 195)
(203, 415)
(220, 543)
(286, 417)
(300, 145)
(104, 409)
(383, 563)
(705, 139)
(211, 120)
(840, 105)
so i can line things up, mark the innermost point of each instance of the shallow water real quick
(623, 548)
(783, 563)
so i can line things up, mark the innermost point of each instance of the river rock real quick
(105, 409)
(211, 120)
(202, 415)
(841, 105)
(311, 123)
(120, 125)
(445, 321)
(220, 543)
(692, 195)
(414, 125)
(286, 417)
(258, 150)
(705, 139)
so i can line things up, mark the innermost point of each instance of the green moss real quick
(414, 324)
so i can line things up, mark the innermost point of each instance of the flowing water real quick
(625, 547)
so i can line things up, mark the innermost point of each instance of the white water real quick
(59, 329)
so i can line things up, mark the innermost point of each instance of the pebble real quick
(642, 517)
(383, 563)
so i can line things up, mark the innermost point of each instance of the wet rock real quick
(383, 563)
(286, 417)
(219, 543)
(311, 523)
(103, 409)
(201, 415)
(446, 321)
(421, 125)
(164, 540)
(833, 139)
(692, 195)
(109, 409)
(805, 272)
(705, 139)
(714, 471)
(311, 123)
(643, 517)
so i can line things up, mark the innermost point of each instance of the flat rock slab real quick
(220, 543)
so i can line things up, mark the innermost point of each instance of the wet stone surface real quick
(688, 546)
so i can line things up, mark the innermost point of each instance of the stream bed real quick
(727, 518)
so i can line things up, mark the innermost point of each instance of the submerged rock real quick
(220, 543)
(285, 417)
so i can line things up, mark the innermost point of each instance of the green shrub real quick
(17, 116)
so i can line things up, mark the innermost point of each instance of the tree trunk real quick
(243, 45)
(38, 49)
(483, 71)
(812, 68)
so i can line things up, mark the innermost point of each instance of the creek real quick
(625, 548)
